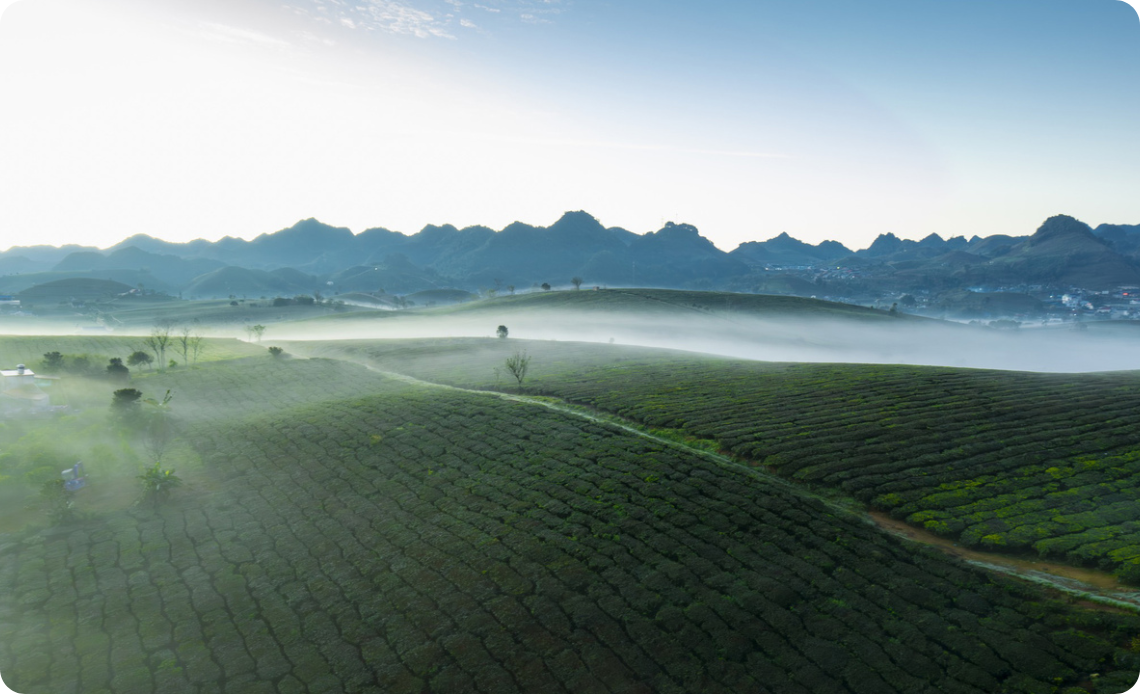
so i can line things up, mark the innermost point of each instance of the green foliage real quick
(117, 371)
(53, 361)
(517, 365)
(126, 399)
(57, 502)
(502, 332)
(276, 351)
(157, 483)
(140, 358)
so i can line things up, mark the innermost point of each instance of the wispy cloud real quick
(230, 34)
(401, 18)
(424, 18)
(606, 144)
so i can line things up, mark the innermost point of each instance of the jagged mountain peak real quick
(1060, 226)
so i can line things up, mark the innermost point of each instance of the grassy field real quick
(29, 350)
(998, 460)
(348, 532)
(214, 313)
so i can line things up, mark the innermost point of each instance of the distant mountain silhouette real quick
(311, 256)
(1124, 238)
(240, 281)
(1065, 251)
(172, 269)
(785, 250)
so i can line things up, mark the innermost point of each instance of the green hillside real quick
(80, 289)
(1004, 461)
(347, 532)
(219, 314)
(656, 302)
(81, 284)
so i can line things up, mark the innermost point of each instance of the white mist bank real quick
(776, 339)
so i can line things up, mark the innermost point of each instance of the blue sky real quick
(825, 119)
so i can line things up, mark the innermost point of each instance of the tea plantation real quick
(348, 532)
(1006, 461)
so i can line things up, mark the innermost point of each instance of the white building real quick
(19, 392)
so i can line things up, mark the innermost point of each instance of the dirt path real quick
(1100, 587)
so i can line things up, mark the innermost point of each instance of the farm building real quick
(19, 392)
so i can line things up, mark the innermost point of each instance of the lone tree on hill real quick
(140, 358)
(577, 282)
(545, 286)
(502, 332)
(255, 332)
(518, 364)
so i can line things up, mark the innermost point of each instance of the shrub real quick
(140, 358)
(53, 361)
(157, 483)
(117, 371)
(126, 398)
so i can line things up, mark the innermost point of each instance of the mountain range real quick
(311, 256)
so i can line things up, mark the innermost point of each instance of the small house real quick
(19, 392)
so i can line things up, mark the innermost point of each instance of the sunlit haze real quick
(824, 119)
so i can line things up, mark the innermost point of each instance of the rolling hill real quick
(375, 535)
(1007, 461)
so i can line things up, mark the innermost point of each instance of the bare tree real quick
(182, 342)
(197, 345)
(158, 340)
(577, 282)
(518, 364)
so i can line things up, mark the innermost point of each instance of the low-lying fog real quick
(1101, 347)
